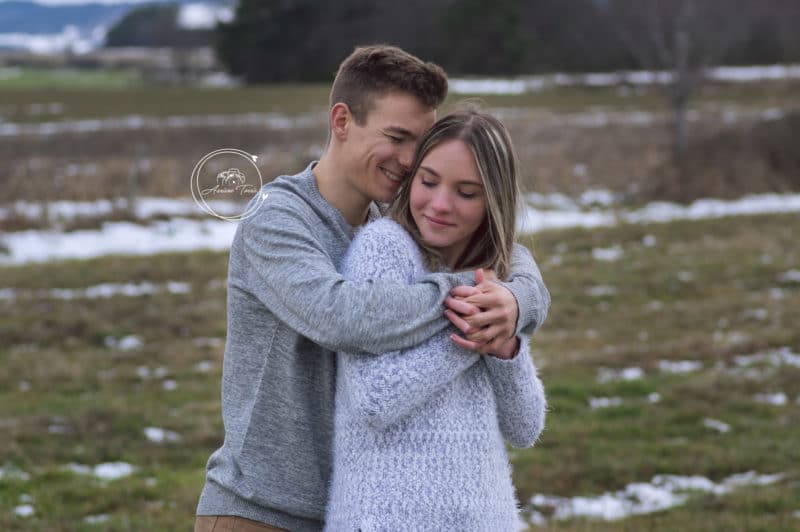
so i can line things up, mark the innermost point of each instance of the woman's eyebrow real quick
(462, 182)
(430, 170)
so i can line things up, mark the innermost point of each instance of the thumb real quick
(479, 277)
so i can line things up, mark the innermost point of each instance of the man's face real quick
(381, 150)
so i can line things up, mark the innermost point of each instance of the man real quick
(289, 310)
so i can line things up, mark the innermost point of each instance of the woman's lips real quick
(438, 222)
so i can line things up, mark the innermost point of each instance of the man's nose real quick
(406, 157)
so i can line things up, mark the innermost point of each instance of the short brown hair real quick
(372, 71)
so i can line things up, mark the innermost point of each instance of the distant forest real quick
(304, 40)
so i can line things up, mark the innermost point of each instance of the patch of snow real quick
(273, 121)
(649, 241)
(104, 471)
(607, 254)
(126, 343)
(13, 473)
(205, 341)
(113, 470)
(776, 399)
(791, 276)
(121, 238)
(717, 425)
(756, 314)
(624, 374)
(601, 197)
(601, 290)
(7, 294)
(538, 83)
(203, 367)
(159, 435)
(97, 519)
(604, 402)
(679, 366)
(654, 305)
(661, 493)
(24, 510)
(783, 356)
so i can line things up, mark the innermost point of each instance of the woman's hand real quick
(509, 349)
(486, 314)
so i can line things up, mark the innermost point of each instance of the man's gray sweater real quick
(289, 310)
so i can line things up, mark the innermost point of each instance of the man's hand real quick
(486, 314)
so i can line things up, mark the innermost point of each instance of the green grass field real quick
(68, 396)
(106, 93)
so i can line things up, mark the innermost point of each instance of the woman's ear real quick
(341, 118)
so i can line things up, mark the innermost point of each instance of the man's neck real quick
(334, 188)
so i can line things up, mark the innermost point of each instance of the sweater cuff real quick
(510, 369)
(526, 307)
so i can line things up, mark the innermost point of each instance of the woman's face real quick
(448, 202)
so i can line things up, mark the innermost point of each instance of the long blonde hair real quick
(487, 138)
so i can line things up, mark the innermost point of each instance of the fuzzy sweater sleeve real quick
(526, 283)
(292, 274)
(519, 396)
(383, 389)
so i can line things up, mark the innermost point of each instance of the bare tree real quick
(682, 38)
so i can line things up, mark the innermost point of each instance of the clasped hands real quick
(486, 314)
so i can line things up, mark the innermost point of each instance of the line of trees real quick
(304, 40)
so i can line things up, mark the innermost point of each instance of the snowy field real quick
(670, 358)
(525, 84)
(594, 208)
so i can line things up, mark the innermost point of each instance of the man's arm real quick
(527, 285)
(290, 272)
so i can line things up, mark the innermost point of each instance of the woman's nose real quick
(440, 201)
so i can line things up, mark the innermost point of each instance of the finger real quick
(485, 298)
(479, 276)
(464, 291)
(459, 322)
(462, 307)
(466, 344)
(486, 318)
(487, 334)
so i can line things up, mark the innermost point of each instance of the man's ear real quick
(341, 118)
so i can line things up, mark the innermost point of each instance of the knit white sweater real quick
(418, 438)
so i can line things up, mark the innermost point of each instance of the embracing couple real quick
(376, 361)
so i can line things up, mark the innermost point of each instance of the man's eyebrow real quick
(397, 130)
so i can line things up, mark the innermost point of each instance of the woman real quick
(418, 441)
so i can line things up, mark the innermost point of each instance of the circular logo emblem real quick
(224, 180)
